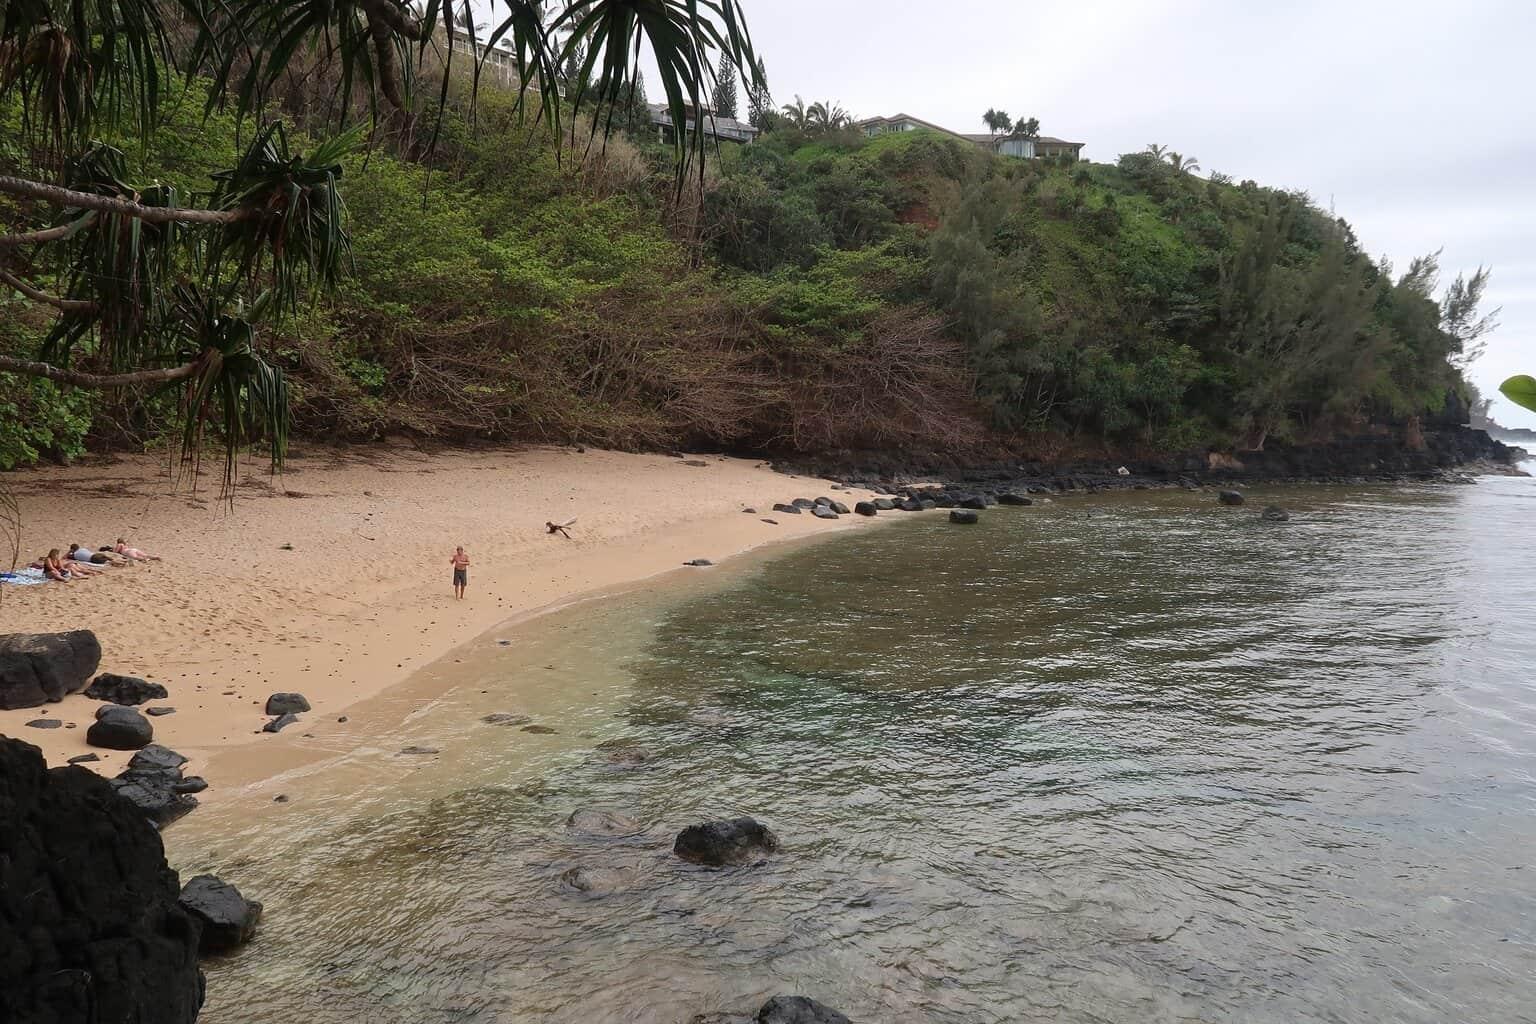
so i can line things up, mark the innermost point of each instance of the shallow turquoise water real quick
(1121, 759)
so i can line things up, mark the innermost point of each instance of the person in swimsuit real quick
(123, 548)
(460, 571)
(53, 567)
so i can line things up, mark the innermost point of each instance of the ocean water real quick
(1125, 758)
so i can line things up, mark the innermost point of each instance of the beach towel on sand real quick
(24, 578)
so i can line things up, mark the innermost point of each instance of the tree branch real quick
(67, 305)
(111, 204)
(44, 235)
(97, 381)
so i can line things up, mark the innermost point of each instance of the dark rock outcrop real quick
(90, 929)
(286, 704)
(119, 728)
(36, 668)
(126, 690)
(152, 782)
(281, 722)
(798, 1010)
(723, 843)
(228, 918)
(964, 516)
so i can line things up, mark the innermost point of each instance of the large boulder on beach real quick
(722, 843)
(90, 927)
(228, 918)
(153, 783)
(973, 501)
(793, 510)
(824, 512)
(866, 508)
(798, 1010)
(286, 704)
(884, 504)
(125, 690)
(36, 668)
(119, 728)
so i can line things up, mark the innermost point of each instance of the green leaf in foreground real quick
(1520, 389)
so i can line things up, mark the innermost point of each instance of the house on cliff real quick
(1022, 146)
(716, 128)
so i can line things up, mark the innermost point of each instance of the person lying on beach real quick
(138, 555)
(80, 553)
(460, 571)
(559, 528)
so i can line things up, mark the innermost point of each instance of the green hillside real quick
(815, 293)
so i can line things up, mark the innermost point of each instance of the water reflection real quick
(1140, 759)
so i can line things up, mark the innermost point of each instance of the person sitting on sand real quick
(134, 553)
(53, 567)
(460, 571)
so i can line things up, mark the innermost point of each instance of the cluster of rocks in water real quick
(779, 1010)
(93, 923)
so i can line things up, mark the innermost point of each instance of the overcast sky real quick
(1415, 120)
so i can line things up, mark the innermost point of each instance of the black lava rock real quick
(866, 508)
(119, 728)
(280, 723)
(803, 503)
(964, 516)
(1009, 498)
(90, 929)
(286, 704)
(973, 501)
(152, 783)
(884, 504)
(722, 843)
(228, 919)
(125, 690)
(798, 1010)
(36, 668)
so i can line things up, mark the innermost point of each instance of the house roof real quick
(722, 127)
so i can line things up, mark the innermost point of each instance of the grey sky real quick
(1415, 119)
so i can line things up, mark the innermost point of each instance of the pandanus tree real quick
(152, 287)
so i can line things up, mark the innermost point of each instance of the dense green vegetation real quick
(818, 291)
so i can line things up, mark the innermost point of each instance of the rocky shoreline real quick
(1447, 456)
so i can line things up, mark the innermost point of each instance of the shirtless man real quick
(460, 572)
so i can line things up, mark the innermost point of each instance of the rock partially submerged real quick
(1230, 497)
(228, 918)
(724, 843)
(90, 927)
(1275, 514)
(597, 822)
(126, 690)
(36, 668)
(119, 728)
(593, 881)
(624, 752)
(964, 516)
(152, 782)
(798, 1010)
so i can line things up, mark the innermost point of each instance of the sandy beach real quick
(333, 580)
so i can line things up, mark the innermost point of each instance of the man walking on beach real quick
(460, 571)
